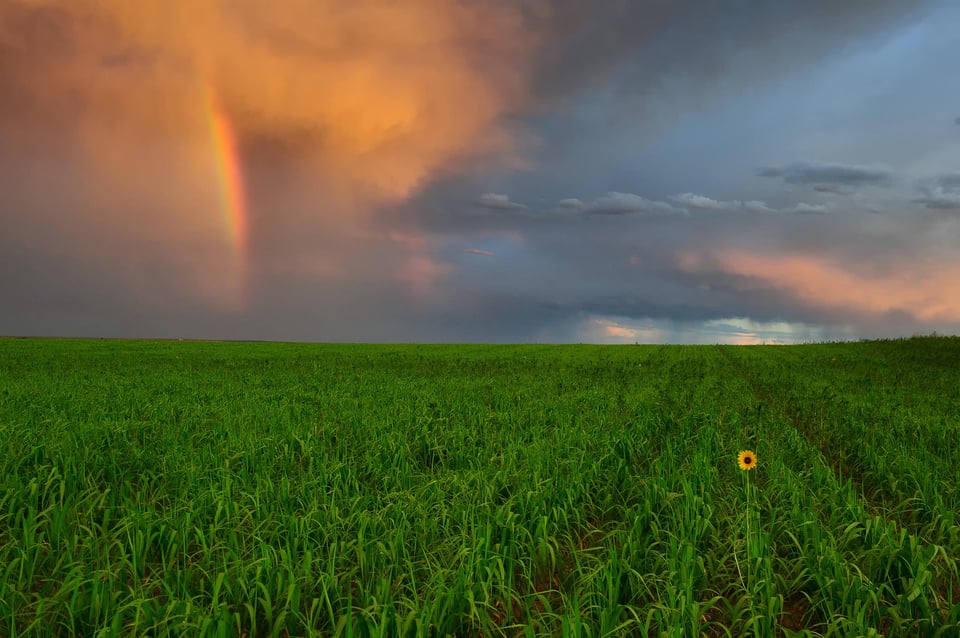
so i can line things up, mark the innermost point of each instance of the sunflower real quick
(747, 460)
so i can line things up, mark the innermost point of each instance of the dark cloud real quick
(829, 174)
(610, 75)
(956, 121)
(644, 43)
(830, 189)
(946, 202)
(950, 181)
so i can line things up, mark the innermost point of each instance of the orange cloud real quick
(610, 328)
(420, 273)
(416, 268)
(358, 103)
(618, 331)
(919, 289)
(382, 92)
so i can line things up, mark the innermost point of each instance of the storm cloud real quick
(543, 170)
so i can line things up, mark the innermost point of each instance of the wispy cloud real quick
(829, 174)
(479, 251)
(830, 189)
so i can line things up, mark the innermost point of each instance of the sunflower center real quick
(748, 460)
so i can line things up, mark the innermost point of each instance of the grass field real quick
(242, 489)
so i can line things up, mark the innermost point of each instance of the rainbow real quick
(229, 182)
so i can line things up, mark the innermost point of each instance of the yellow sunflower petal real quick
(747, 460)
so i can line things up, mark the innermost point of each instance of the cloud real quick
(950, 181)
(940, 193)
(828, 174)
(911, 290)
(618, 204)
(478, 251)
(747, 332)
(732, 330)
(614, 203)
(956, 121)
(625, 270)
(940, 202)
(693, 45)
(757, 206)
(362, 103)
(493, 201)
(830, 189)
(699, 201)
(613, 329)
(572, 204)
(808, 209)
(337, 111)
(692, 200)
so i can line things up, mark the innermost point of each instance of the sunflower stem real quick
(749, 557)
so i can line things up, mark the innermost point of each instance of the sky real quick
(484, 171)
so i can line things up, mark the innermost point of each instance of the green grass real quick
(237, 489)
